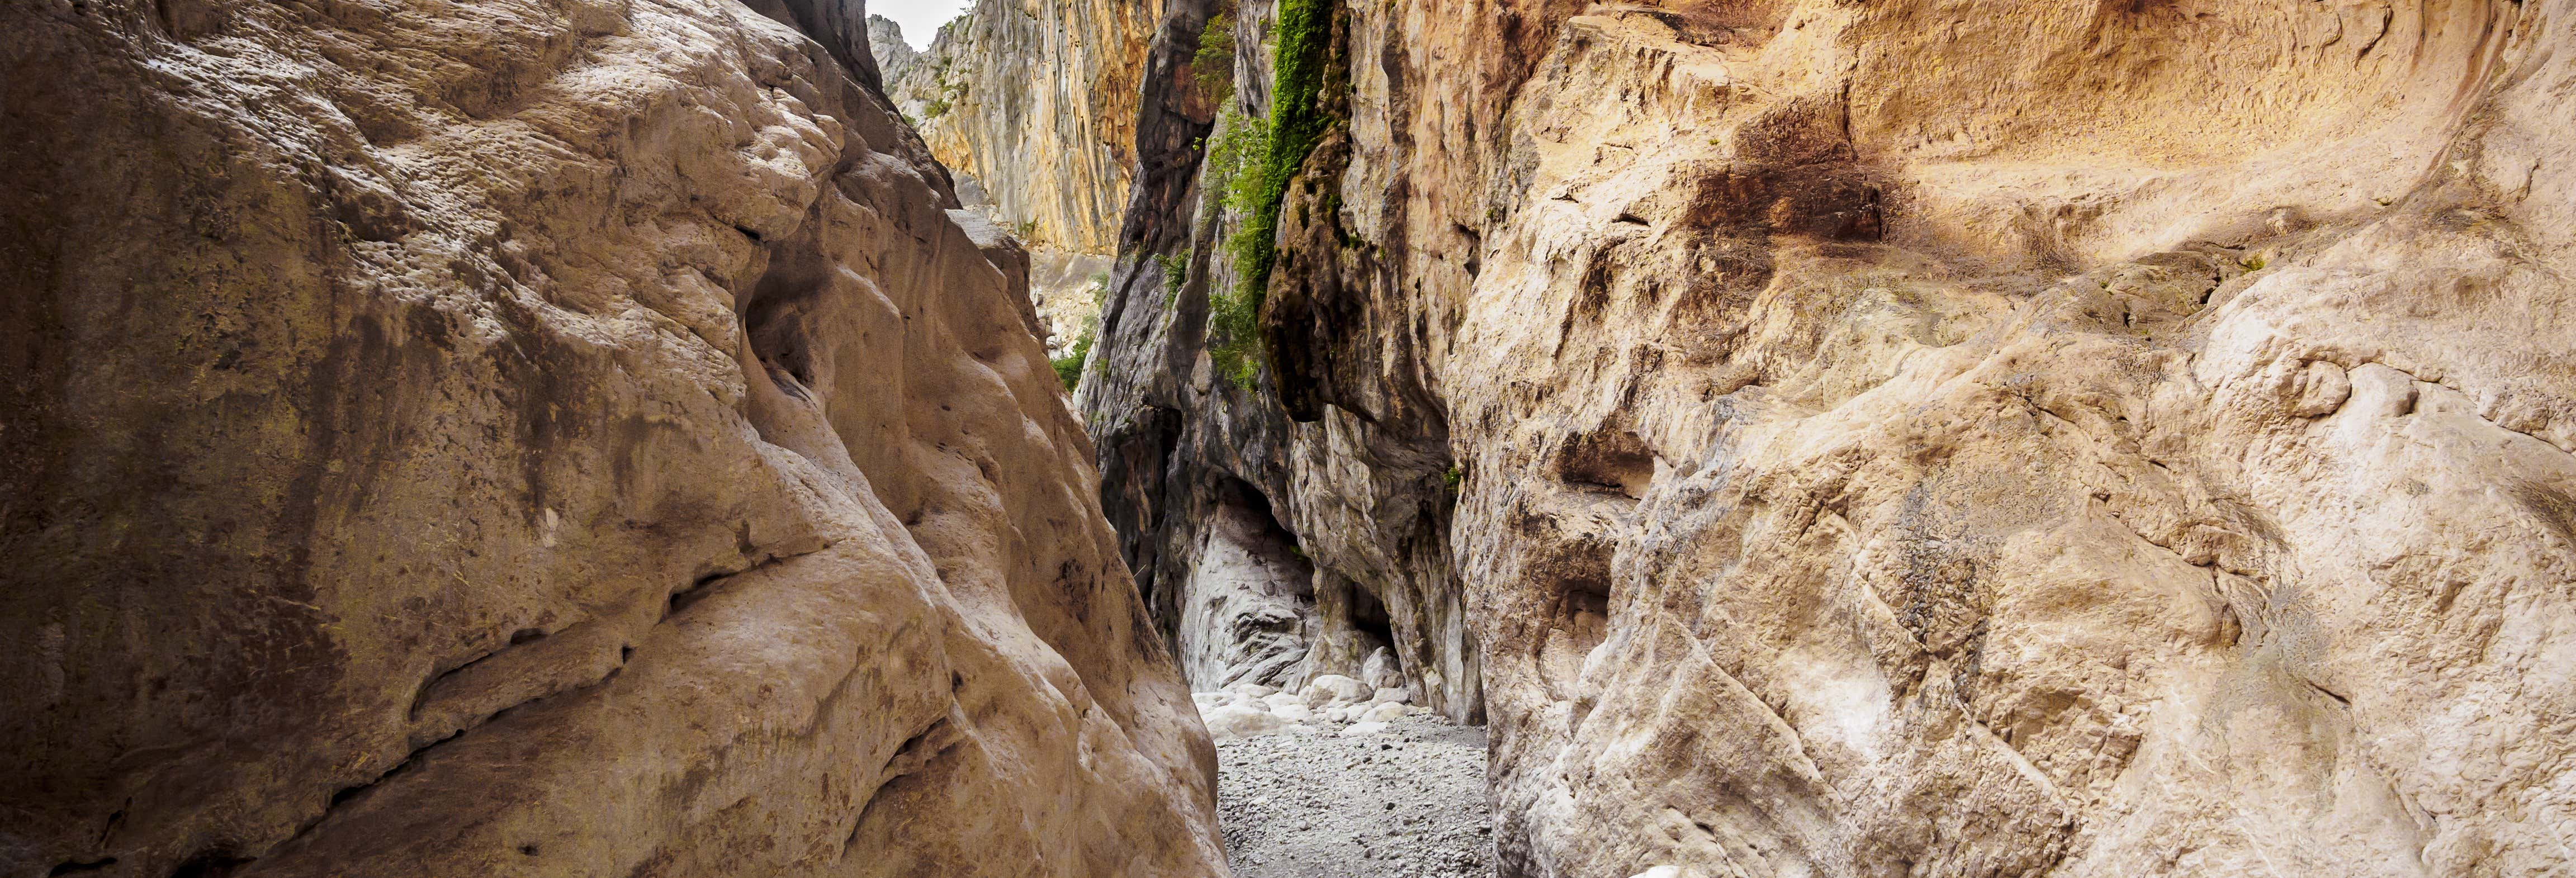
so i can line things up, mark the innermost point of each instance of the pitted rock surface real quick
(1932, 438)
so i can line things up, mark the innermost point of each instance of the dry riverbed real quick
(1401, 797)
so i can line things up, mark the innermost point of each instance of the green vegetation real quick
(1213, 66)
(1176, 272)
(1241, 142)
(2254, 263)
(947, 91)
(1234, 338)
(1025, 230)
(1250, 163)
(1453, 477)
(1068, 368)
(1236, 170)
(1297, 123)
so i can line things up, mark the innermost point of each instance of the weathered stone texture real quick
(1036, 100)
(1925, 438)
(539, 438)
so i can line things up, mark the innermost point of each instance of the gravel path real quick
(1408, 801)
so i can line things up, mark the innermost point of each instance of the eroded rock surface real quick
(1033, 104)
(1036, 100)
(540, 438)
(1914, 437)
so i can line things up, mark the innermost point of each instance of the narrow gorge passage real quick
(1288, 439)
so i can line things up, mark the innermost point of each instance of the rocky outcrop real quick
(1036, 100)
(1364, 492)
(887, 49)
(1905, 438)
(540, 438)
(1033, 104)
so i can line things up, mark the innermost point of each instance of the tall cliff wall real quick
(1907, 438)
(1036, 101)
(1033, 103)
(517, 438)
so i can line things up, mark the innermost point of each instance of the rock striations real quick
(1904, 438)
(1033, 103)
(540, 438)
(1036, 101)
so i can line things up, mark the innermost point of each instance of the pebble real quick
(1404, 799)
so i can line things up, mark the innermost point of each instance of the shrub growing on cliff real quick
(1237, 157)
(1296, 124)
(1068, 368)
(1250, 163)
(1176, 273)
(1234, 340)
(1213, 66)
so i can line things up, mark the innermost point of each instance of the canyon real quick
(1777, 437)
(1033, 106)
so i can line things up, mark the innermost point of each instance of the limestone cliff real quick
(1906, 438)
(1359, 497)
(518, 438)
(1033, 103)
(1036, 101)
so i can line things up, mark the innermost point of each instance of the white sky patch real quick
(920, 18)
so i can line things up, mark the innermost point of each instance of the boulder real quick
(1335, 689)
(1234, 721)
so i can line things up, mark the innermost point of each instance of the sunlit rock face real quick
(1032, 103)
(453, 439)
(1914, 438)
(1036, 100)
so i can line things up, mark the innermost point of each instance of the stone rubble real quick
(1403, 800)
(1329, 703)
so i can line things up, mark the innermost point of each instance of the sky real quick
(920, 18)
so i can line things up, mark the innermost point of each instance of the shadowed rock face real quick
(539, 438)
(1920, 437)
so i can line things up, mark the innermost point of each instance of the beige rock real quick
(1384, 713)
(1923, 438)
(508, 437)
(1335, 690)
(1245, 624)
(1381, 670)
(1234, 721)
(1037, 102)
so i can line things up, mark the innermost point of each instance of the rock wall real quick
(1364, 490)
(1033, 104)
(510, 437)
(1911, 438)
(1036, 100)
